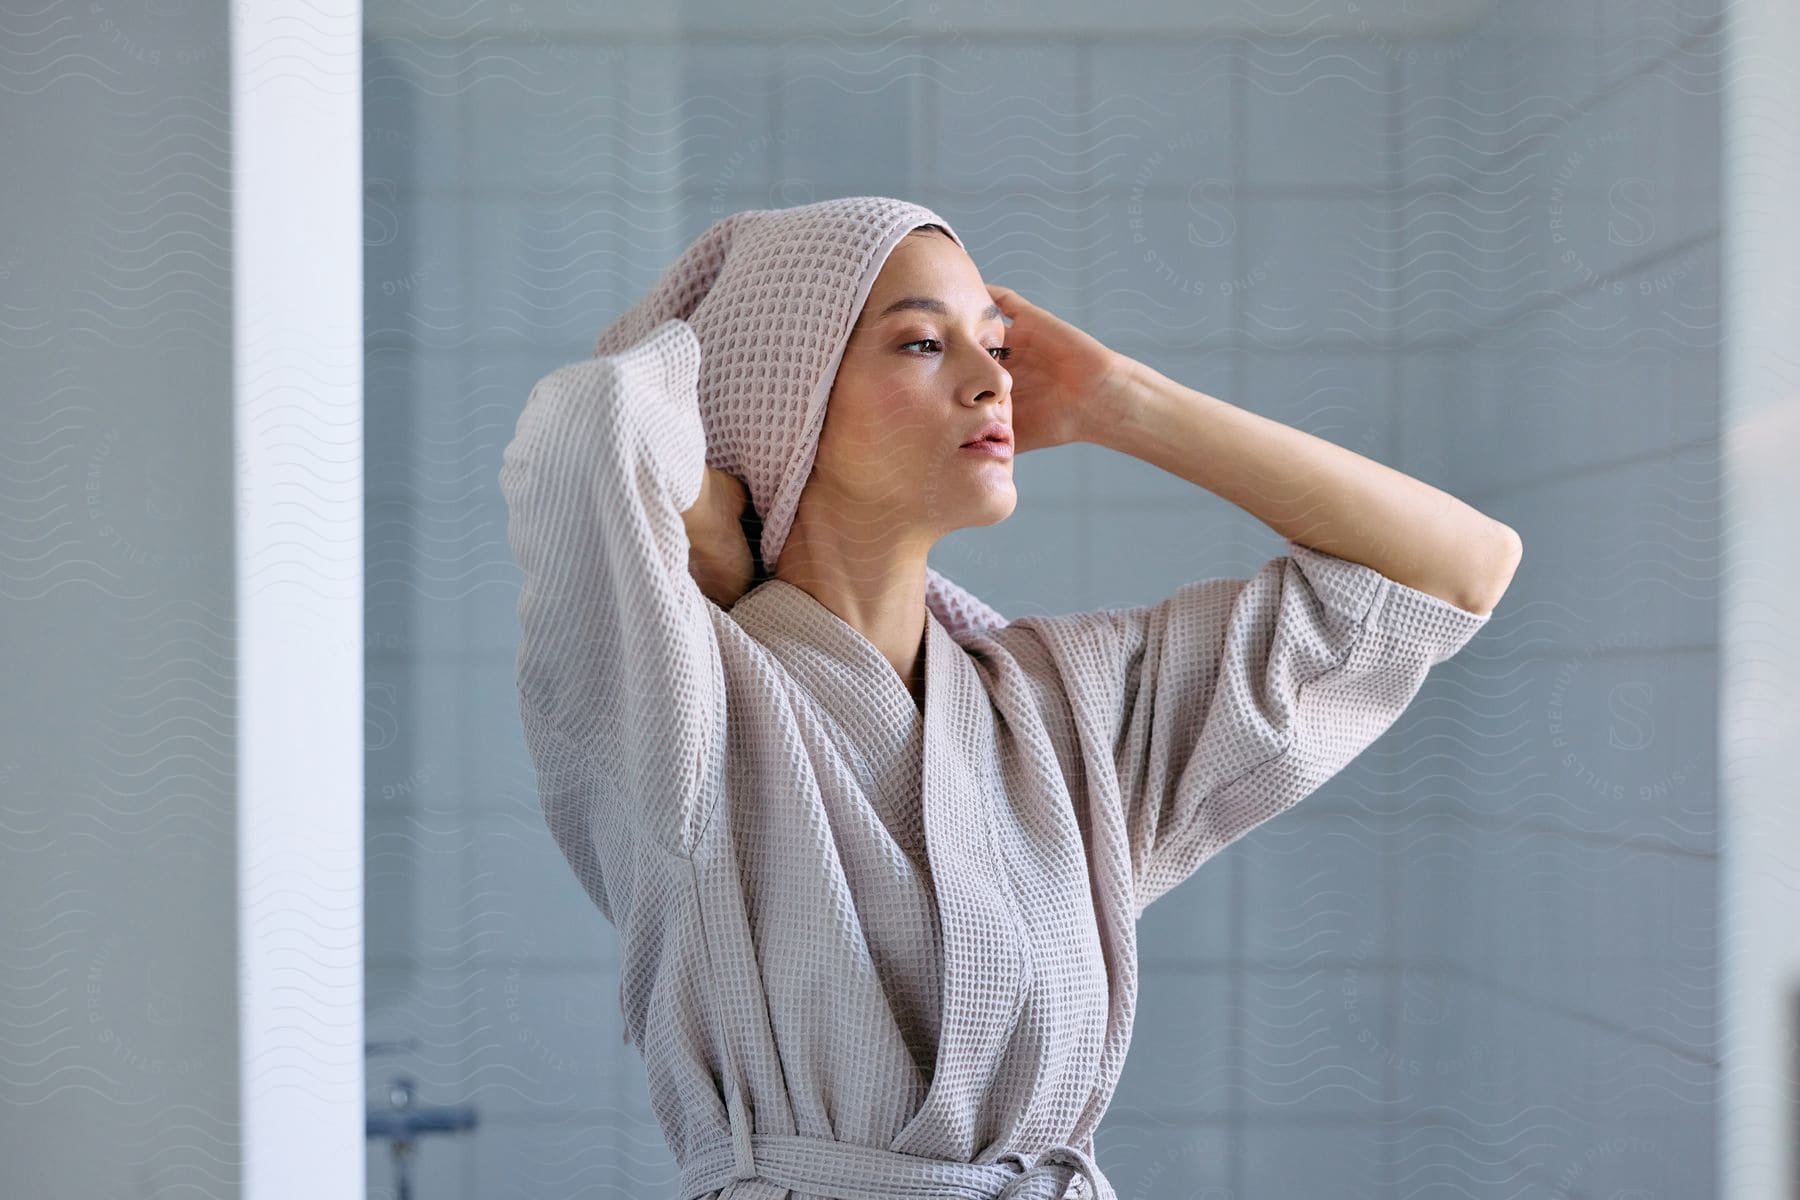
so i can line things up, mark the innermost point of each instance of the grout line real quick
(1480, 331)
(1500, 987)
(1524, 484)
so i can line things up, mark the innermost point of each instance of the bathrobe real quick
(868, 948)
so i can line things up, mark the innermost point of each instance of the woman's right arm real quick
(621, 691)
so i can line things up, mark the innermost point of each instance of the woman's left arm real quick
(1068, 386)
(1313, 491)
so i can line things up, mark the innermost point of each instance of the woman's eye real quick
(1000, 353)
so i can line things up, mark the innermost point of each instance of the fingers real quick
(1012, 305)
(1005, 297)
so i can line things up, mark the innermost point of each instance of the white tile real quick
(1636, 34)
(1315, 887)
(417, 1018)
(545, 115)
(543, 1041)
(851, 125)
(1608, 209)
(1444, 263)
(1191, 924)
(1650, 1142)
(1498, 436)
(1627, 739)
(1455, 749)
(1436, 855)
(1444, 1048)
(701, 117)
(1155, 1161)
(1140, 554)
(1686, 102)
(652, 232)
(412, 745)
(1051, 476)
(437, 1165)
(416, 880)
(1439, 1154)
(1450, 1055)
(413, 267)
(1180, 1048)
(1513, 220)
(1317, 112)
(1030, 562)
(1639, 565)
(612, 1151)
(1655, 908)
(1673, 302)
(1438, 149)
(1669, 1001)
(1569, 410)
(490, 596)
(1011, 119)
(1555, 1056)
(1484, 93)
(1165, 113)
(499, 773)
(412, 562)
(421, 440)
(1555, 54)
(1549, 887)
(1292, 1159)
(523, 902)
(1325, 270)
(1313, 1043)
(1429, 387)
(1165, 267)
(412, 114)
(547, 269)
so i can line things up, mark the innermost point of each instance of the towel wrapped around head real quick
(772, 295)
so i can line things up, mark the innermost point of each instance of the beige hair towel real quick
(771, 295)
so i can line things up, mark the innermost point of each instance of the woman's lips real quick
(990, 448)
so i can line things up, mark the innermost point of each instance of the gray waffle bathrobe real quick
(869, 951)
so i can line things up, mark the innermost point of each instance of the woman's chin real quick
(995, 503)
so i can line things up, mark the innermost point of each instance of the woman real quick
(875, 853)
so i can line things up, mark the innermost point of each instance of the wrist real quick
(725, 499)
(1119, 402)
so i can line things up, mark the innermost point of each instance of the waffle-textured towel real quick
(868, 950)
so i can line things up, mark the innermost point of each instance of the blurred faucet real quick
(405, 1121)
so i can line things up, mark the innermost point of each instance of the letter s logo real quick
(1633, 219)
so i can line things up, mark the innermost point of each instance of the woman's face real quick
(916, 382)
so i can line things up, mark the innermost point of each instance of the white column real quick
(1759, 710)
(296, 145)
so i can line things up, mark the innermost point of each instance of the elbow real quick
(1500, 562)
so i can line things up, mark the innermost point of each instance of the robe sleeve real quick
(1231, 700)
(621, 691)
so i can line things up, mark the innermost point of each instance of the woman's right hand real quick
(719, 555)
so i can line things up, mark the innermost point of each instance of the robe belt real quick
(845, 1171)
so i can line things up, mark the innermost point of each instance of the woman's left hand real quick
(1066, 384)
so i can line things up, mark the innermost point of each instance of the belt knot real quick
(1049, 1161)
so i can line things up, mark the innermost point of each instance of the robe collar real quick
(983, 931)
(832, 659)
